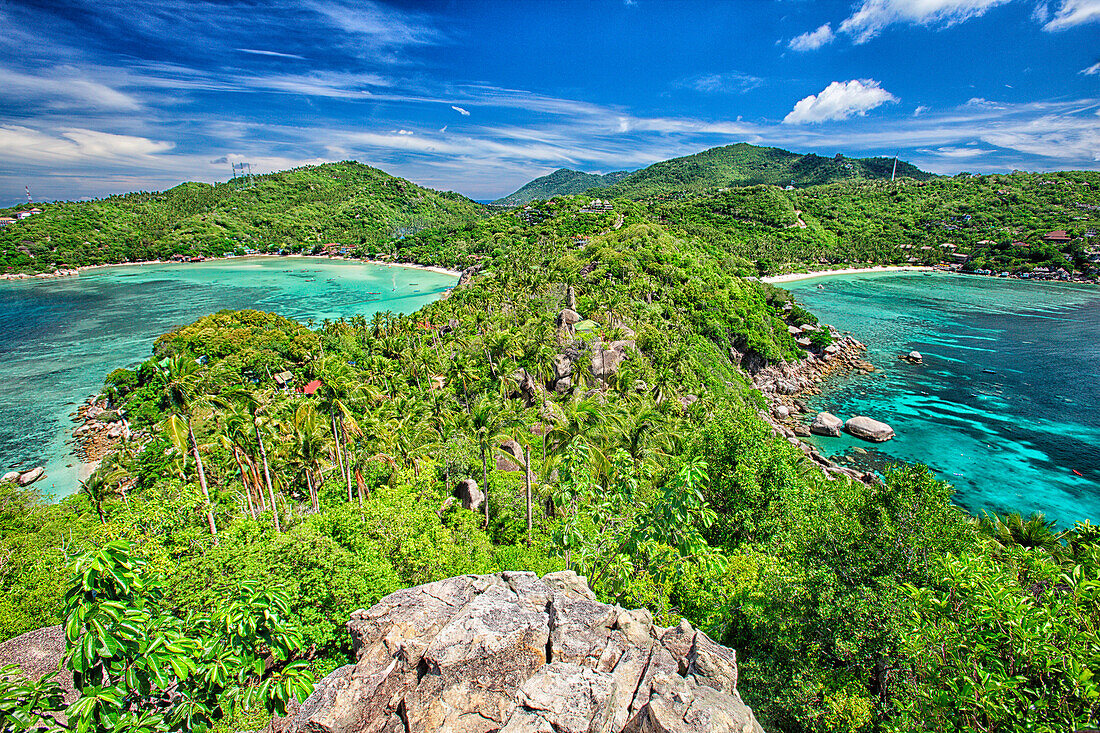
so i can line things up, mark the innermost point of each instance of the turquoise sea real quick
(60, 337)
(1007, 403)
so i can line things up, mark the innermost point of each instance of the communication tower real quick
(242, 175)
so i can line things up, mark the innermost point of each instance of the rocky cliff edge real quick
(518, 654)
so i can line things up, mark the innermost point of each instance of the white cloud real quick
(277, 54)
(1093, 70)
(812, 40)
(981, 102)
(463, 112)
(956, 152)
(1073, 13)
(875, 15)
(405, 132)
(74, 144)
(376, 25)
(920, 110)
(839, 101)
(64, 87)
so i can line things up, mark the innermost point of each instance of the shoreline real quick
(75, 271)
(795, 276)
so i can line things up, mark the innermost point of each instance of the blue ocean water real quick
(1007, 403)
(60, 337)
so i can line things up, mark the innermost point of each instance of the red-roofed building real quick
(312, 387)
(1058, 236)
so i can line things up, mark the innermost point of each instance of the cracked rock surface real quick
(516, 653)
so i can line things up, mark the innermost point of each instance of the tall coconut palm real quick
(486, 428)
(180, 387)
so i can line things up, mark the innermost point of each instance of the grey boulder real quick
(867, 429)
(826, 424)
(29, 477)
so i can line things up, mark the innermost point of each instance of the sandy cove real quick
(793, 276)
(74, 271)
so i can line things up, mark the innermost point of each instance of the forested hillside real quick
(749, 165)
(586, 379)
(995, 222)
(562, 182)
(347, 203)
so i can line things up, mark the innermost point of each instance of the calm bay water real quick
(1007, 403)
(60, 337)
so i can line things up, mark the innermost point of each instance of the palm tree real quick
(178, 377)
(253, 404)
(1036, 532)
(306, 447)
(97, 487)
(518, 421)
(486, 427)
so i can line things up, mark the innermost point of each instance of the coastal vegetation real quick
(353, 206)
(580, 401)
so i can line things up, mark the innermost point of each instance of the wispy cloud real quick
(1073, 13)
(729, 82)
(839, 101)
(461, 111)
(65, 87)
(873, 16)
(74, 145)
(277, 54)
(812, 40)
(920, 110)
(1093, 70)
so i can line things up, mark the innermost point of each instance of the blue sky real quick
(480, 97)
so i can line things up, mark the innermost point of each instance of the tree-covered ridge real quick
(853, 606)
(749, 165)
(562, 182)
(995, 222)
(360, 208)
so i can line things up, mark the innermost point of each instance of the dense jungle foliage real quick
(562, 182)
(853, 606)
(856, 217)
(994, 222)
(353, 205)
(750, 165)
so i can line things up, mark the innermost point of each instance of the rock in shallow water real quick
(826, 424)
(868, 429)
(516, 654)
(28, 478)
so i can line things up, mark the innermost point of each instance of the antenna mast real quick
(28, 190)
(894, 172)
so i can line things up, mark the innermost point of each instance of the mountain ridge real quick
(732, 166)
(562, 182)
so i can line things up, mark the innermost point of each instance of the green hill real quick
(562, 182)
(348, 203)
(749, 165)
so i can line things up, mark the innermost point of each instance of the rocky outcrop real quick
(568, 317)
(915, 357)
(826, 424)
(512, 457)
(468, 274)
(469, 494)
(38, 653)
(517, 654)
(29, 477)
(867, 429)
(101, 428)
